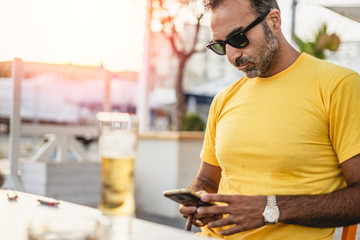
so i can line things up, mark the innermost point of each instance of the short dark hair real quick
(259, 6)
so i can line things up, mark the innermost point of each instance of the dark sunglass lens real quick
(218, 48)
(238, 41)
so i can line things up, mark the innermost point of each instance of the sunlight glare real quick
(74, 31)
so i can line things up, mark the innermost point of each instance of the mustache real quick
(241, 61)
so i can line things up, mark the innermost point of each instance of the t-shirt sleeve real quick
(208, 152)
(344, 117)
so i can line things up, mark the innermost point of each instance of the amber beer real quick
(117, 186)
(117, 143)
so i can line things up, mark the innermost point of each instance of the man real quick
(281, 155)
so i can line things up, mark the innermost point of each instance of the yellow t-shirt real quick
(285, 135)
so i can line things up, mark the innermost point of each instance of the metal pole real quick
(142, 108)
(293, 18)
(15, 123)
(107, 107)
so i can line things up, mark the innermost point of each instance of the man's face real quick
(258, 57)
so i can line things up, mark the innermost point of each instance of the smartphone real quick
(186, 197)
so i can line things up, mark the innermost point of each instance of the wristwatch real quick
(271, 212)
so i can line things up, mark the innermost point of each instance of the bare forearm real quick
(207, 179)
(341, 208)
(202, 183)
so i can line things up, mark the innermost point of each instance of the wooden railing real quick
(60, 138)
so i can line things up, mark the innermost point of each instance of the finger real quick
(202, 192)
(187, 210)
(221, 222)
(206, 220)
(214, 210)
(213, 197)
(207, 215)
(231, 231)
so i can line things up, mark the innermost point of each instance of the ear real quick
(274, 21)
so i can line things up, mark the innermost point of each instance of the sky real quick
(91, 32)
(84, 32)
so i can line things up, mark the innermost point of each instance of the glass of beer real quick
(118, 146)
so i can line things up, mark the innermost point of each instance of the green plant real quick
(193, 122)
(322, 42)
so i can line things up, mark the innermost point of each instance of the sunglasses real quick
(237, 39)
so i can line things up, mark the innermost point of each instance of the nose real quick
(233, 53)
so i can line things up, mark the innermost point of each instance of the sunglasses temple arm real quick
(257, 21)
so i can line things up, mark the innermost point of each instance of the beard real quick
(264, 56)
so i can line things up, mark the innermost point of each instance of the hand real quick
(204, 219)
(243, 211)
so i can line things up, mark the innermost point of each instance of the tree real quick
(322, 42)
(168, 13)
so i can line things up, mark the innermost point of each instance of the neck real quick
(283, 59)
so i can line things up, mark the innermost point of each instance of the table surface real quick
(17, 215)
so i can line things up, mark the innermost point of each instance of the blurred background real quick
(110, 54)
(79, 57)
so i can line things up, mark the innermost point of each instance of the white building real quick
(65, 93)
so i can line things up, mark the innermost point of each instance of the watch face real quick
(271, 215)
